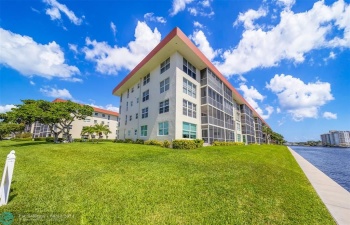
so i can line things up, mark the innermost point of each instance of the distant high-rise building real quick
(336, 138)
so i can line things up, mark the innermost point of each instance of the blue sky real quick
(290, 59)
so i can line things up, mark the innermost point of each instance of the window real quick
(96, 114)
(128, 94)
(189, 69)
(132, 89)
(131, 104)
(164, 85)
(109, 117)
(138, 85)
(127, 106)
(144, 113)
(130, 117)
(189, 130)
(146, 79)
(126, 119)
(189, 88)
(121, 97)
(129, 132)
(164, 106)
(238, 138)
(137, 100)
(87, 120)
(102, 122)
(145, 95)
(137, 116)
(163, 128)
(143, 131)
(238, 127)
(189, 109)
(135, 132)
(164, 66)
(95, 121)
(103, 115)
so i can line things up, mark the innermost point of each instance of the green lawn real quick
(113, 183)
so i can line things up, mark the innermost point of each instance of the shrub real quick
(24, 135)
(49, 139)
(154, 142)
(128, 140)
(118, 141)
(199, 143)
(166, 144)
(139, 141)
(186, 144)
(227, 143)
(40, 139)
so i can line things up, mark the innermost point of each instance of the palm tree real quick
(101, 128)
(106, 132)
(89, 131)
(267, 131)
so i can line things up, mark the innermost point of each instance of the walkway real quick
(334, 196)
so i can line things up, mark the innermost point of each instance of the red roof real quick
(108, 112)
(177, 32)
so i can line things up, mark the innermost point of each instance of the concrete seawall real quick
(334, 196)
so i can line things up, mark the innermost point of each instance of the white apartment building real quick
(175, 92)
(336, 138)
(106, 117)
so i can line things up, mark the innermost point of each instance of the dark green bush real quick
(185, 144)
(139, 141)
(49, 139)
(128, 140)
(118, 141)
(199, 143)
(40, 139)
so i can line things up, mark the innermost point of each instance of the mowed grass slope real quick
(113, 183)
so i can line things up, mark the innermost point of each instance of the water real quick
(335, 162)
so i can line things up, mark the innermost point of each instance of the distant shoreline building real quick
(175, 92)
(106, 117)
(336, 138)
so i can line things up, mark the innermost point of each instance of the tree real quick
(60, 115)
(100, 128)
(267, 132)
(8, 128)
(89, 130)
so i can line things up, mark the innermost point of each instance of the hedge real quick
(154, 142)
(227, 143)
(21, 139)
(187, 144)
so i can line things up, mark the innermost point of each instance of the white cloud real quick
(329, 115)
(73, 48)
(251, 95)
(6, 108)
(287, 3)
(193, 11)
(205, 3)
(32, 83)
(197, 24)
(299, 99)
(201, 41)
(56, 93)
(332, 55)
(107, 107)
(152, 18)
(110, 60)
(30, 58)
(178, 6)
(57, 8)
(295, 35)
(114, 29)
(248, 18)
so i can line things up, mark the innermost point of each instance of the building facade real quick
(106, 117)
(336, 138)
(177, 93)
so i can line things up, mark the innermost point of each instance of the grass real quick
(113, 183)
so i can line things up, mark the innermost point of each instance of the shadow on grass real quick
(19, 144)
